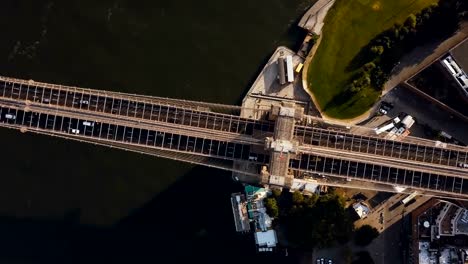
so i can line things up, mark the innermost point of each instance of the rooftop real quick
(267, 238)
(462, 222)
(460, 54)
(239, 210)
(361, 209)
(308, 186)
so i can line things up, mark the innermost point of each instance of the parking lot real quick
(425, 113)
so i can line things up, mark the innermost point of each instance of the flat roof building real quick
(456, 64)
(460, 54)
(266, 239)
(239, 210)
(361, 209)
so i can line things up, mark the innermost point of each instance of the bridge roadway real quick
(196, 130)
(131, 106)
(156, 109)
(137, 134)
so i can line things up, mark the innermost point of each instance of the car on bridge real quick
(10, 116)
(87, 123)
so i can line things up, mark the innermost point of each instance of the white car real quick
(463, 165)
(252, 158)
(87, 123)
(10, 116)
(383, 111)
(85, 102)
(75, 131)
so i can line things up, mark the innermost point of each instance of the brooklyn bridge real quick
(276, 147)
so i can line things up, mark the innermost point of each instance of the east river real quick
(67, 202)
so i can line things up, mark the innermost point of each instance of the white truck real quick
(408, 121)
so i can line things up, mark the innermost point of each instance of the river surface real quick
(67, 202)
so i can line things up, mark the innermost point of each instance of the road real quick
(387, 219)
(422, 57)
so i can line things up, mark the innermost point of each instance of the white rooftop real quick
(305, 185)
(287, 111)
(361, 209)
(282, 146)
(277, 180)
(267, 238)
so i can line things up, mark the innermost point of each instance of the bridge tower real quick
(282, 145)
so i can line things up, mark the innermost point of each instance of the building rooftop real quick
(239, 210)
(460, 54)
(445, 225)
(255, 192)
(308, 186)
(361, 209)
(267, 238)
(462, 222)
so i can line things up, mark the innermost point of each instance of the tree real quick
(377, 50)
(310, 201)
(364, 235)
(369, 66)
(272, 207)
(276, 193)
(404, 31)
(411, 21)
(297, 197)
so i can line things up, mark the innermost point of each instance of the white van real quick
(252, 158)
(10, 116)
(87, 123)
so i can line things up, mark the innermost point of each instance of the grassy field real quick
(349, 26)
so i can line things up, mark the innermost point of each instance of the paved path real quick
(420, 58)
(426, 112)
(387, 218)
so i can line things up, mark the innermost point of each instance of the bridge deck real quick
(189, 128)
(396, 150)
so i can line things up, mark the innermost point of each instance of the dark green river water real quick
(66, 202)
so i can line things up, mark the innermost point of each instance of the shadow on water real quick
(180, 224)
(60, 200)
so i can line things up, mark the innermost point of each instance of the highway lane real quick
(388, 161)
(381, 147)
(118, 104)
(184, 130)
(380, 173)
(128, 133)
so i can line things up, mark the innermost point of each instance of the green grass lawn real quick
(349, 26)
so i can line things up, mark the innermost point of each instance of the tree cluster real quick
(384, 52)
(311, 221)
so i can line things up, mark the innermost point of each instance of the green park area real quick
(349, 28)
